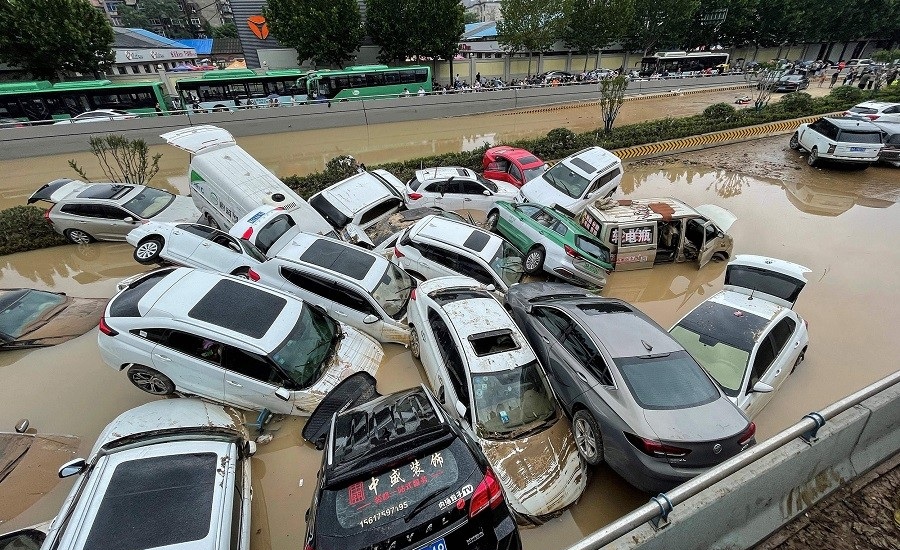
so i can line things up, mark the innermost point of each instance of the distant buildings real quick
(193, 16)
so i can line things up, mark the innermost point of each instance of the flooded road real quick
(838, 223)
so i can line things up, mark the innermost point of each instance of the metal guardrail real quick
(657, 510)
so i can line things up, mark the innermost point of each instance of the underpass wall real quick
(748, 506)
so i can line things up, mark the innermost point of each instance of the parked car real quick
(454, 188)
(399, 473)
(842, 140)
(575, 181)
(637, 399)
(29, 538)
(98, 115)
(882, 111)
(890, 153)
(553, 242)
(437, 247)
(84, 212)
(858, 63)
(512, 165)
(791, 83)
(268, 228)
(171, 473)
(486, 376)
(31, 318)
(747, 336)
(361, 200)
(549, 76)
(229, 340)
(355, 286)
(384, 233)
(193, 245)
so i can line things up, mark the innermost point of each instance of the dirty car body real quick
(31, 318)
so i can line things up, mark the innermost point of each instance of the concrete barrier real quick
(746, 507)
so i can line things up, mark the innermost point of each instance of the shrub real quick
(719, 111)
(795, 104)
(849, 94)
(24, 228)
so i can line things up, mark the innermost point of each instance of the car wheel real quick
(813, 158)
(587, 437)
(491, 222)
(794, 143)
(799, 360)
(414, 346)
(147, 251)
(150, 381)
(210, 221)
(77, 236)
(242, 272)
(534, 260)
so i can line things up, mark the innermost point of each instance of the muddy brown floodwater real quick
(841, 224)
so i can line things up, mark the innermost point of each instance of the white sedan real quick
(99, 115)
(193, 245)
(454, 188)
(747, 336)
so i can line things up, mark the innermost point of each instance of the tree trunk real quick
(586, 54)
(843, 51)
(529, 63)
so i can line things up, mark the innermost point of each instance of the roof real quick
(741, 301)
(354, 262)
(356, 192)
(474, 316)
(623, 333)
(591, 161)
(852, 124)
(226, 46)
(487, 29)
(441, 172)
(203, 46)
(636, 210)
(457, 234)
(142, 38)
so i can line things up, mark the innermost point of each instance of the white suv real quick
(882, 111)
(454, 188)
(844, 140)
(361, 200)
(355, 286)
(171, 473)
(575, 181)
(437, 247)
(229, 340)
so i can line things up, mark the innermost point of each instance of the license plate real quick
(438, 544)
(587, 266)
(857, 149)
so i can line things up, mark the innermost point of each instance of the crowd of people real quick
(866, 76)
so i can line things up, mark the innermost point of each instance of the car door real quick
(515, 176)
(519, 230)
(772, 360)
(112, 222)
(497, 169)
(435, 195)
(770, 279)
(184, 240)
(435, 262)
(448, 377)
(251, 381)
(219, 251)
(453, 198)
(473, 196)
(636, 244)
(710, 240)
(545, 335)
(190, 361)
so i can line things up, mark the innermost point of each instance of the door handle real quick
(340, 314)
(582, 376)
(778, 372)
(235, 384)
(163, 357)
(545, 339)
(206, 245)
(797, 344)
(467, 199)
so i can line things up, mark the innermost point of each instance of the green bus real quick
(231, 89)
(367, 81)
(40, 100)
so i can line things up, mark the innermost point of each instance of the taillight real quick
(247, 233)
(412, 295)
(873, 117)
(488, 493)
(106, 329)
(47, 216)
(747, 435)
(252, 275)
(415, 196)
(656, 448)
(397, 253)
(571, 252)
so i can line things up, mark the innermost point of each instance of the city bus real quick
(234, 89)
(367, 81)
(683, 63)
(38, 101)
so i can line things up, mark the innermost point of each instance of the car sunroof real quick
(105, 191)
(477, 241)
(239, 307)
(338, 257)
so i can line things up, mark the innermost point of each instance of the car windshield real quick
(532, 173)
(564, 179)
(252, 251)
(724, 362)
(669, 381)
(507, 264)
(21, 308)
(393, 290)
(512, 403)
(487, 183)
(303, 353)
(595, 249)
(149, 202)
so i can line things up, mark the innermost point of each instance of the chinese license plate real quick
(857, 149)
(438, 544)
(587, 266)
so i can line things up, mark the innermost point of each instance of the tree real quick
(122, 160)
(50, 37)
(405, 29)
(612, 95)
(660, 24)
(228, 30)
(325, 31)
(531, 25)
(171, 19)
(591, 25)
(470, 17)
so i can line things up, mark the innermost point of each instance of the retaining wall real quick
(748, 506)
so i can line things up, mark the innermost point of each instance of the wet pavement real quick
(838, 223)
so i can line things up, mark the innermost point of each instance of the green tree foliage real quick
(660, 24)
(612, 95)
(406, 29)
(470, 17)
(228, 30)
(591, 25)
(531, 25)
(325, 31)
(52, 37)
(172, 20)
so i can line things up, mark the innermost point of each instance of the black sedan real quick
(791, 83)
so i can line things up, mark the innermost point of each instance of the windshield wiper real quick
(421, 505)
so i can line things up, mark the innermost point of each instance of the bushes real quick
(719, 111)
(24, 228)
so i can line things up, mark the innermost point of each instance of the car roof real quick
(107, 191)
(442, 172)
(877, 104)
(591, 162)
(457, 234)
(852, 124)
(751, 304)
(637, 210)
(356, 192)
(890, 126)
(517, 153)
(347, 260)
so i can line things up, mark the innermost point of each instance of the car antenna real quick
(647, 346)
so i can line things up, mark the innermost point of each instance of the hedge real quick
(24, 228)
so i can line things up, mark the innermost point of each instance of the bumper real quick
(573, 273)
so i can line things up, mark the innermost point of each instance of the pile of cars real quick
(280, 305)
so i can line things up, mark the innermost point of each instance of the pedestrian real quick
(421, 91)
(863, 80)
(834, 78)
(477, 77)
(405, 92)
(821, 79)
(841, 65)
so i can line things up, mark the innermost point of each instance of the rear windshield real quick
(125, 304)
(848, 136)
(593, 248)
(149, 202)
(273, 231)
(671, 381)
(863, 110)
(335, 217)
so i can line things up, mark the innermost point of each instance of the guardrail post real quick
(665, 508)
(811, 436)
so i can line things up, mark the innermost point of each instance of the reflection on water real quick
(829, 200)
(723, 183)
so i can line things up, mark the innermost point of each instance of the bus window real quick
(35, 109)
(357, 80)
(407, 77)
(392, 77)
(375, 79)
(73, 104)
(256, 89)
(236, 91)
(211, 93)
(421, 75)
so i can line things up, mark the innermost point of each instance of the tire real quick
(588, 439)
(414, 346)
(799, 360)
(491, 222)
(150, 381)
(794, 143)
(243, 272)
(77, 236)
(813, 158)
(534, 260)
(210, 221)
(147, 251)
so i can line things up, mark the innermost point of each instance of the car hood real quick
(506, 189)
(356, 352)
(541, 474)
(182, 209)
(710, 422)
(540, 192)
(77, 316)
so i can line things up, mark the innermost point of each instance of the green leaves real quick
(325, 31)
(415, 28)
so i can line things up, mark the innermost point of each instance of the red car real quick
(512, 165)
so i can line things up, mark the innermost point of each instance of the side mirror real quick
(249, 448)
(441, 396)
(589, 195)
(72, 467)
(460, 408)
(486, 193)
(761, 387)
(370, 318)
(491, 287)
(129, 219)
(283, 394)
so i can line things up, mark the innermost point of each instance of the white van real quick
(575, 181)
(227, 183)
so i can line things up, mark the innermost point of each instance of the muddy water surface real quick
(840, 224)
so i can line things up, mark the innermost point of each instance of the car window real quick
(444, 257)
(250, 365)
(552, 320)
(849, 136)
(330, 212)
(393, 290)
(544, 218)
(76, 209)
(197, 229)
(559, 228)
(491, 186)
(471, 268)
(379, 210)
(328, 290)
(195, 346)
(499, 165)
(470, 187)
(528, 210)
(224, 240)
(508, 263)
(769, 348)
(439, 187)
(579, 344)
(605, 178)
(149, 202)
(515, 172)
(564, 179)
(272, 231)
(450, 354)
